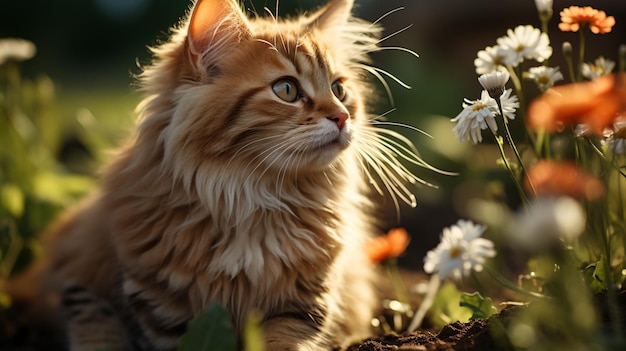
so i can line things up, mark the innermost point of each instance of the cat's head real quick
(260, 91)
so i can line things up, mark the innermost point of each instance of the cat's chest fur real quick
(257, 230)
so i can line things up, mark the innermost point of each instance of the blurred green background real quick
(88, 51)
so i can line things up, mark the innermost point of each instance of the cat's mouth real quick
(341, 140)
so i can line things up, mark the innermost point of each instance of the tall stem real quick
(581, 53)
(429, 298)
(512, 173)
(396, 281)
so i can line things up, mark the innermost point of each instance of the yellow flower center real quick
(478, 107)
(455, 252)
(543, 80)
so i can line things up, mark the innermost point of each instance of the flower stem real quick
(511, 286)
(512, 173)
(429, 298)
(519, 91)
(581, 54)
(396, 281)
(509, 138)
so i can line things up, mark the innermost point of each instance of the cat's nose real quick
(339, 118)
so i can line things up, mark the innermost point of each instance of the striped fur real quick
(228, 193)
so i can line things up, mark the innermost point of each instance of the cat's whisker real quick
(249, 144)
(254, 11)
(297, 42)
(272, 46)
(279, 147)
(280, 33)
(387, 155)
(394, 78)
(397, 48)
(381, 79)
(394, 34)
(376, 121)
(363, 163)
(387, 14)
(405, 151)
(264, 154)
(269, 12)
(411, 153)
(382, 173)
(282, 170)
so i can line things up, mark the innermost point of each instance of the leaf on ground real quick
(210, 331)
(480, 306)
(445, 308)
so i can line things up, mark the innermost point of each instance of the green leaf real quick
(480, 306)
(445, 308)
(596, 276)
(210, 331)
(12, 200)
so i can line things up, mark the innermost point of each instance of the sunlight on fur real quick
(246, 182)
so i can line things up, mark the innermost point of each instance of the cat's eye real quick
(338, 90)
(286, 89)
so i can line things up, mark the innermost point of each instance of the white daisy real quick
(544, 76)
(545, 220)
(16, 49)
(490, 60)
(616, 138)
(525, 42)
(460, 251)
(494, 82)
(509, 104)
(477, 115)
(600, 67)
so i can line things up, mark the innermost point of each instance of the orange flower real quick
(386, 246)
(597, 103)
(562, 178)
(573, 16)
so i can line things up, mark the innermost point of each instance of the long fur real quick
(227, 193)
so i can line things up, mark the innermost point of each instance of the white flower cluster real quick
(478, 115)
(521, 43)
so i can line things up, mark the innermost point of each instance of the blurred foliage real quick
(34, 185)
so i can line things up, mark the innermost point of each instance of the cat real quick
(246, 183)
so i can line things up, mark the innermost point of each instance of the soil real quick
(481, 334)
(474, 335)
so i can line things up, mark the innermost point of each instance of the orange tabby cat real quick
(245, 183)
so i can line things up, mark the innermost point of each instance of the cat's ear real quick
(332, 16)
(215, 26)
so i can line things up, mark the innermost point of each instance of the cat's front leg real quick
(297, 331)
(158, 315)
(91, 322)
